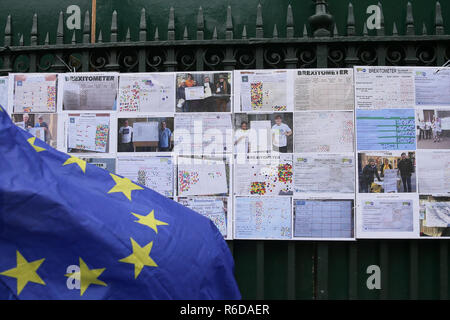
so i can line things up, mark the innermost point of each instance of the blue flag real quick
(70, 230)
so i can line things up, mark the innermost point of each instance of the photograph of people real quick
(263, 132)
(421, 132)
(433, 128)
(223, 91)
(437, 129)
(406, 168)
(241, 139)
(203, 92)
(369, 173)
(428, 130)
(436, 216)
(209, 96)
(145, 134)
(181, 97)
(190, 82)
(27, 124)
(280, 132)
(165, 135)
(385, 172)
(208, 85)
(32, 122)
(42, 124)
(126, 137)
(386, 166)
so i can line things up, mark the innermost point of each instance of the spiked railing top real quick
(143, 26)
(308, 32)
(171, 25)
(114, 27)
(200, 24)
(259, 22)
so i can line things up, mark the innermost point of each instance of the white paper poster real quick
(433, 169)
(263, 218)
(37, 132)
(323, 218)
(390, 180)
(155, 173)
(4, 93)
(323, 89)
(146, 131)
(263, 90)
(437, 214)
(384, 87)
(90, 91)
(263, 129)
(388, 216)
(324, 173)
(203, 133)
(194, 93)
(88, 132)
(35, 92)
(147, 92)
(213, 208)
(432, 86)
(323, 131)
(264, 176)
(201, 177)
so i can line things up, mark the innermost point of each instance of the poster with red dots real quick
(34, 93)
(264, 175)
(263, 90)
(147, 92)
(199, 177)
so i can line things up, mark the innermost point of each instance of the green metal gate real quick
(235, 38)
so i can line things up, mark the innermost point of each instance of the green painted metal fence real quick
(311, 34)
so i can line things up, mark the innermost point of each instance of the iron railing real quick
(323, 46)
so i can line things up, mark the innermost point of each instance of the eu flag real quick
(70, 230)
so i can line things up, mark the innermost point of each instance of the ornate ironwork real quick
(320, 44)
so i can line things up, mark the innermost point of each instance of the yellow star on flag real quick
(124, 185)
(87, 276)
(140, 257)
(149, 220)
(1, 109)
(32, 141)
(24, 272)
(78, 161)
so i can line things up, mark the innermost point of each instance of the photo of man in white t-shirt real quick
(126, 138)
(280, 132)
(241, 138)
